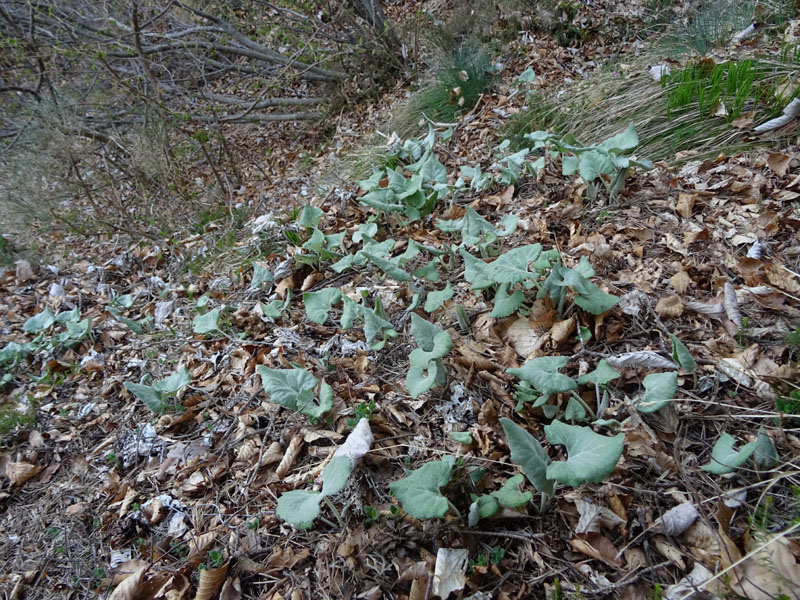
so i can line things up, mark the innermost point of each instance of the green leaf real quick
(375, 325)
(509, 495)
(274, 309)
(424, 367)
(207, 322)
(487, 507)
(433, 170)
(575, 411)
(527, 452)
(388, 267)
(299, 507)
(424, 332)
(434, 300)
(600, 376)
(527, 76)
(594, 164)
(476, 271)
(335, 475)
(512, 266)
(542, 373)
(125, 301)
(428, 272)
(39, 322)
(681, 355)
(419, 491)
(622, 142)
(68, 316)
(294, 389)
(149, 396)
(724, 459)
(462, 437)
(174, 382)
(310, 216)
(591, 457)
(260, 275)
(506, 304)
(660, 390)
(765, 456)
(318, 303)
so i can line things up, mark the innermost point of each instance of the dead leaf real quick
(20, 472)
(129, 586)
(680, 282)
(594, 518)
(685, 204)
(210, 581)
(677, 519)
(289, 456)
(778, 163)
(669, 307)
(450, 574)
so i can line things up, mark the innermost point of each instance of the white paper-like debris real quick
(358, 443)
(691, 586)
(56, 290)
(451, 571)
(117, 557)
(632, 303)
(756, 250)
(791, 112)
(745, 33)
(645, 358)
(678, 519)
(659, 71)
(715, 311)
(162, 311)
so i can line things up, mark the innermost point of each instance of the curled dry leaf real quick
(645, 358)
(778, 163)
(210, 582)
(677, 519)
(128, 588)
(594, 518)
(357, 444)
(790, 113)
(680, 282)
(690, 587)
(271, 455)
(231, 590)
(732, 305)
(561, 330)
(669, 307)
(685, 204)
(20, 472)
(290, 456)
(450, 574)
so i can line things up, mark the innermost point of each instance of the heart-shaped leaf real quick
(207, 322)
(602, 374)
(299, 507)
(506, 304)
(39, 322)
(528, 453)
(462, 437)
(310, 216)
(765, 456)
(174, 382)
(434, 300)
(294, 389)
(724, 459)
(260, 275)
(591, 457)
(419, 491)
(509, 495)
(681, 355)
(320, 302)
(150, 397)
(542, 374)
(660, 389)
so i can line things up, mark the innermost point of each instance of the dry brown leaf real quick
(668, 551)
(732, 305)
(287, 558)
(210, 582)
(598, 547)
(289, 456)
(129, 586)
(527, 337)
(594, 518)
(680, 281)
(231, 590)
(669, 307)
(271, 455)
(685, 204)
(561, 330)
(778, 163)
(20, 472)
(23, 271)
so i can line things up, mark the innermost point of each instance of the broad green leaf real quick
(512, 266)
(294, 389)
(433, 170)
(487, 506)
(591, 457)
(434, 300)
(423, 373)
(260, 275)
(660, 390)
(424, 332)
(274, 309)
(411, 252)
(569, 165)
(528, 453)
(681, 355)
(320, 302)
(419, 491)
(600, 376)
(428, 272)
(68, 316)
(477, 272)
(365, 231)
(622, 142)
(310, 216)
(207, 322)
(724, 459)
(462, 437)
(374, 324)
(424, 367)
(13, 352)
(316, 242)
(506, 304)
(76, 331)
(350, 310)
(527, 76)
(202, 301)
(382, 199)
(542, 373)
(765, 456)
(335, 475)
(149, 396)
(594, 164)
(174, 382)
(388, 267)
(39, 322)
(134, 326)
(509, 495)
(475, 229)
(574, 411)
(299, 507)
(125, 301)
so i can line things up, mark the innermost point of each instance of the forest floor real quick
(660, 374)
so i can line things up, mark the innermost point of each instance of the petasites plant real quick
(419, 492)
(302, 507)
(296, 389)
(425, 365)
(156, 397)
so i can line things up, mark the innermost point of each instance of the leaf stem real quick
(335, 512)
